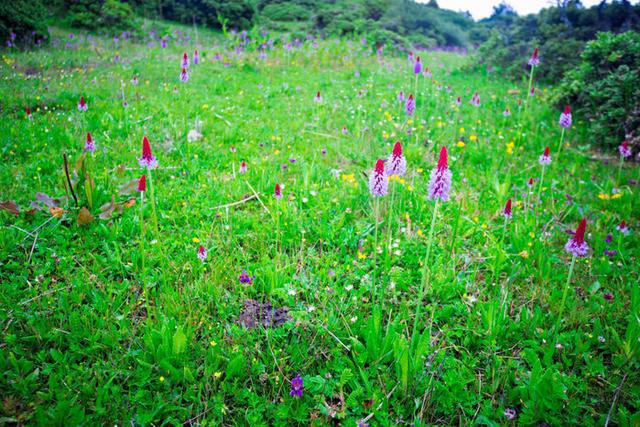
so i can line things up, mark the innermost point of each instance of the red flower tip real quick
(184, 56)
(318, 94)
(625, 144)
(418, 59)
(380, 166)
(276, 191)
(507, 208)
(82, 100)
(546, 151)
(89, 137)
(442, 161)
(535, 52)
(579, 236)
(146, 147)
(142, 183)
(397, 149)
(28, 111)
(530, 181)
(567, 109)
(623, 224)
(411, 96)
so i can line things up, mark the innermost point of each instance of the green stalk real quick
(425, 272)
(541, 180)
(142, 256)
(564, 294)
(620, 169)
(561, 141)
(375, 248)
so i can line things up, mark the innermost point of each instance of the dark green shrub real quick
(25, 19)
(605, 88)
(113, 15)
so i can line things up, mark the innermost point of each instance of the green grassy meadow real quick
(110, 318)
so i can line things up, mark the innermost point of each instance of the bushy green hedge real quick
(605, 88)
(24, 19)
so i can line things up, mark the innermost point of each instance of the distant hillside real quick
(398, 21)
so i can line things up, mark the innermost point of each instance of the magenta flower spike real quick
(89, 146)
(545, 158)
(147, 160)
(623, 228)
(82, 104)
(506, 112)
(576, 246)
(196, 57)
(565, 117)
(624, 149)
(534, 61)
(378, 180)
(202, 253)
(277, 193)
(440, 180)
(142, 184)
(397, 163)
(243, 167)
(185, 60)
(507, 210)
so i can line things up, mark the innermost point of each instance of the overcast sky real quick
(483, 8)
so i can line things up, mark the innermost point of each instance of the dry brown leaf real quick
(129, 203)
(84, 216)
(10, 206)
(56, 212)
(129, 187)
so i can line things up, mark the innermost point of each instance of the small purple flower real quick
(89, 145)
(610, 253)
(510, 413)
(202, 253)
(401, 96)
(410, 106)
(297, 386)
(475, 100)
(623, 228)
(625, 150)
(565, 117)
(545, 158)
(417, 67)
(245, 278)
(609, 238)
(608, 296)
(184, 75)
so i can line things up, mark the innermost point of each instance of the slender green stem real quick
(560, 144)
(142, 259)
(425, 271)
(564, 295)
(376, 207)
(541, 181)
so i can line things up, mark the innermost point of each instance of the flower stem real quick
(564, 294)
(376, 206)
(540, 187)
(142, 256)
(425, 272)
(560, 144)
